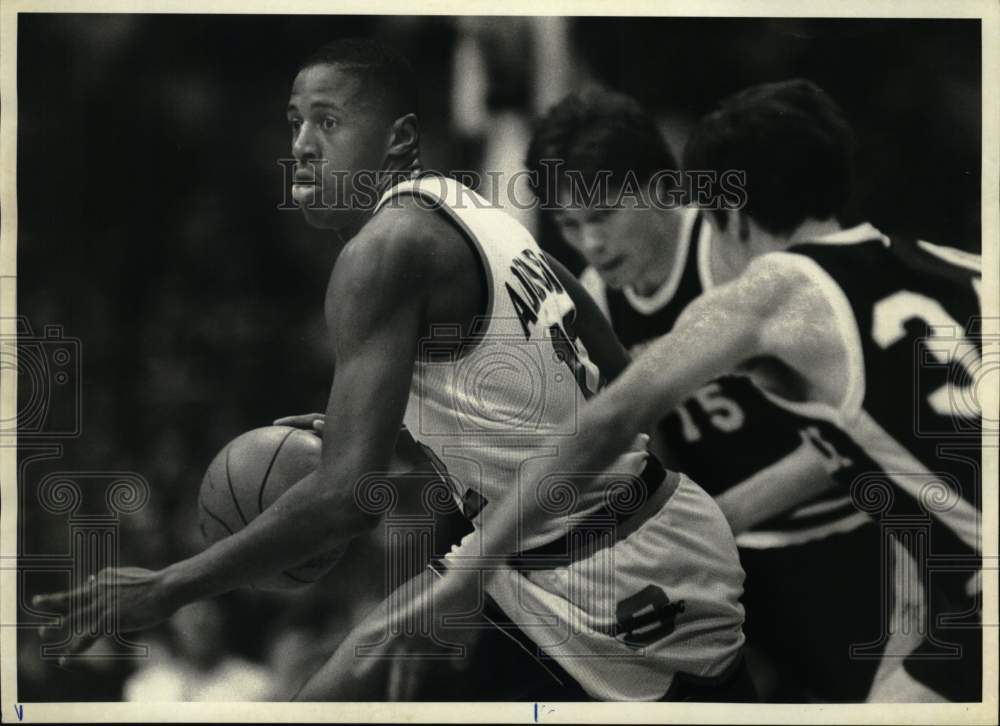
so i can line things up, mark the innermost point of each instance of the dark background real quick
(148, 188)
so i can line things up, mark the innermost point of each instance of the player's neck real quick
(397, 173)
(761, 241)
(724, 267)
(390, 176)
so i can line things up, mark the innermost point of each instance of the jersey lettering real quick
(889, 317)
(645, 617)
(536, 282)
(567, 349)
(525, 313)
(725, 414)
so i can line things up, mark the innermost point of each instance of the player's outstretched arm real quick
(602, 343)
(374, 313)
(719, 331)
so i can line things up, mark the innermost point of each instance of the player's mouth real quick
(303, 187)
(611, 265)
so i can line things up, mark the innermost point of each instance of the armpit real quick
(812, 329)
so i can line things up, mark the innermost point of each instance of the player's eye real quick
(328, 123)
(601, 214)
(295, 123)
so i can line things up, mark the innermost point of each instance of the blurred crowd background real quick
(148, 189)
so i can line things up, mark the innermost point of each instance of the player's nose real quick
(591, 239)
(304, 147)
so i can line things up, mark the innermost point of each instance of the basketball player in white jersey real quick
(648, 259)
(444, 314)
(880, 336)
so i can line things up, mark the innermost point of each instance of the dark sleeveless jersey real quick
(633, 326)
(729, 430)
(910, 314)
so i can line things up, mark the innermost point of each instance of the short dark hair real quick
(378, 65)
(594, 130)
(794, 144)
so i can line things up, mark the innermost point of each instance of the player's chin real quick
(323, 217)
(622, 275)
(615, 281)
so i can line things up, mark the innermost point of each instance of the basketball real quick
(246, 477)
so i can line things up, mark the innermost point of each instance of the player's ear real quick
(404, 139)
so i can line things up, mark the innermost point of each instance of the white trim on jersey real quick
(846, 325)
(705, 256)
(959, 258)
(665, 293)
(852, 235)
(591, 281)
(764, 540)
(444, 186)
(820, 507)
(443, 195)
(909, 474)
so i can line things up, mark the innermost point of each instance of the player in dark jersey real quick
(414, 267)
(879, 336)
(646, 264)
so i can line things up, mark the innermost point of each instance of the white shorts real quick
(660, 601)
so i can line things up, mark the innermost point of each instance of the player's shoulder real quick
(402, 233)
(769, 282)
(401, 244)
(779, 267)
(795, 295)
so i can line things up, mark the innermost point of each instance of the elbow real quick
(602, 435)
(625, 417)
(349, 504)
(344, 520)
(331, 520)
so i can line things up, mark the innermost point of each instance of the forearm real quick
(519, 520)
(714, 336)
(606, 426)
(791, 482)
(312, 517)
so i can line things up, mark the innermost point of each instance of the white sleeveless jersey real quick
(518, 379)
(623, 620)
